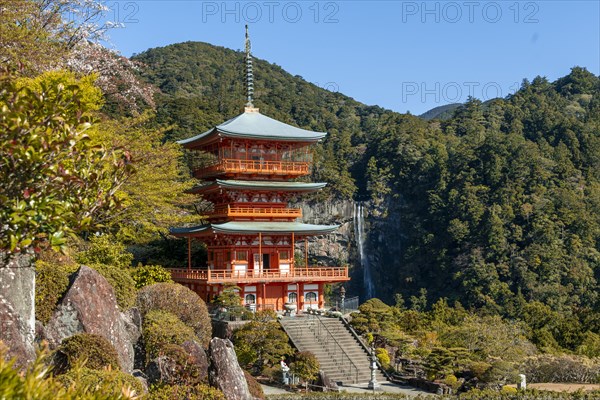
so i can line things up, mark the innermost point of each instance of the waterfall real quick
(359, 234)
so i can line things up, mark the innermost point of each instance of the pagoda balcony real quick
(256, 212)
(232, 167)
(311, 274)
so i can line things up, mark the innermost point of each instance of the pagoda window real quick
(292, 297)
(250, 299)
(284, 255)
(241, 255)
(311, 297)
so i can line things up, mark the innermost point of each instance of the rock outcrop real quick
(17, 318)
(224, 372)
(198, 357)
(90, 306)
(14, 333)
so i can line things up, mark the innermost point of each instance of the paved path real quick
(386, 387)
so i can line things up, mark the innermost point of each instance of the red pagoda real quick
(251, 234)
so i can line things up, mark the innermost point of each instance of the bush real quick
(95, 350)
(105, 250)
(110, 382)
(145, 275)
(383, 357)
(162, 328)
(180, 301)
(565, 368)
(179, 368)
(37, 383)
(198, 392)
(306, 366)
(122, 283)
(255, 389)
(51, 283)
(509, 390)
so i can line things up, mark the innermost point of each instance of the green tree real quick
(261, 341)
(54, 182)
(306, 366)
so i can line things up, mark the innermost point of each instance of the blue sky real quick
(402, 55)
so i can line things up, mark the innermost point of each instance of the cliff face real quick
(381, 240)
(337, 248)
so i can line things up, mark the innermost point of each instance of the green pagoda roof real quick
(254, 125)
(259, 185)
(241, 227)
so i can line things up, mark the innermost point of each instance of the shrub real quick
(145, 275)
(121, 281)
(51, 283)
(565, 368)
(180, 301)
(105, 250)
(198, 392)
(590, 345)
(509, 390)
(95, 350)
(180, 368)
(38, 383)
(452, 381)
(306, 366)
(383, 356)
(162, 328)
(255, 389)
(110, 382)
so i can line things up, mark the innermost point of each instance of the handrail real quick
(364, 346)
(330, 335)
(234, 211)
(256, 166)
(330, 273)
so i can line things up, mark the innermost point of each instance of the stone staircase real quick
(340, 354)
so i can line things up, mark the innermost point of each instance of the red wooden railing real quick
(228, 165)
(258, 212)
(336, 274)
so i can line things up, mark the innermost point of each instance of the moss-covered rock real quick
(91, 351)
(162, 328)
(112, 383)
(180, 301)
(51, 283)
(198, 392)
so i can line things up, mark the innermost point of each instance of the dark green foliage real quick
(145, 275)
(51, 283)
(182, 392)
(261, 342)
(88, 350)
(306, 366)
(181, 302)
(162, 328)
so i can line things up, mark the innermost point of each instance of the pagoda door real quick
(258, 264)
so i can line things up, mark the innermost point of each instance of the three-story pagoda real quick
(251, 234)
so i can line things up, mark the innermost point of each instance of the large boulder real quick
(17, 317)
(198, 357)
(225, 373)
(186, 365)
(90, 306)
(15, 335)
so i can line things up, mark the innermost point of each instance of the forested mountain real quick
(442, 112)
(495, 207)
